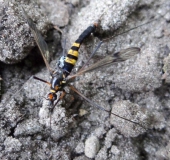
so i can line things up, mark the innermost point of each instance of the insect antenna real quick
(126, 31)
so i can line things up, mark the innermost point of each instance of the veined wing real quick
(120, 56)
(42, 45)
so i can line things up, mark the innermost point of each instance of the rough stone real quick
(134, 87)
(166, 69)
(28, 127)
(57, 12)
(91, 146)
(132, 112)
(80, 148)
(15, 43)
(12, 144)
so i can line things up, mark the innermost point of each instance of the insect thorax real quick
(60, 62)
(57, 82)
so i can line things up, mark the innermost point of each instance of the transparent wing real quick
(120, 56)
(42, 45)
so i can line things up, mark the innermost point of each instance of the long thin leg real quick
(126, 31)
(60, 98)
(101, 108)
(41, 80)
(57, 28)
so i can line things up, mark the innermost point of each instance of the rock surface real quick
(91, 146)
(136, 89)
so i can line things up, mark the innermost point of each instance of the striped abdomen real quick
(72, 54)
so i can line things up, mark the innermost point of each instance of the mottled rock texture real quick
(137, 89)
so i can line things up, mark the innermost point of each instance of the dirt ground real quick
(137, 89)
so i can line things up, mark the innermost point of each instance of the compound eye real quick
(52, 96)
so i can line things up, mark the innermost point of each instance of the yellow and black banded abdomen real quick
(72, 54)
(71, 57)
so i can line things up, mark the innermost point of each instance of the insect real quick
(59, 78)
(68, 78)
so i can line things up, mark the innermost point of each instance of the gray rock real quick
(163, 153)
(15, 43)
(99, 132)
(12, 144)
(56, 11)
(130, 111)
(135, 84)
(166, 69)
(138, 76)
(81, 158)
(59, 120)
(29, 127)
(115, 150)
(127, 150)
(102, 154)
(167, 17)
(80, 148)
(91, 146)
(110, 137)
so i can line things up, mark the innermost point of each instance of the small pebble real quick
(92, 146)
